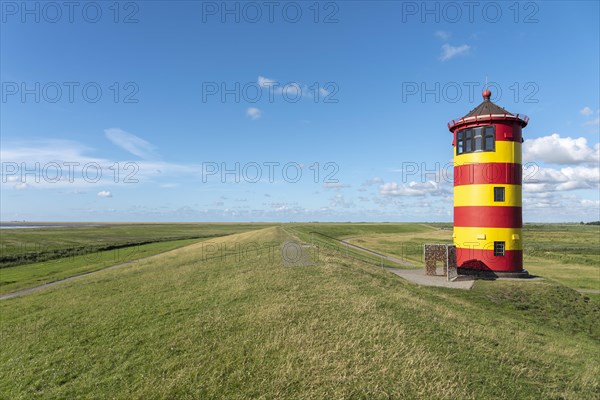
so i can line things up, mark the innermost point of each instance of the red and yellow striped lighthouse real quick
(487, 190)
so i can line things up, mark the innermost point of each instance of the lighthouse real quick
(487, 190)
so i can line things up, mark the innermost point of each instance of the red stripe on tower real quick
(508, 132)
(482, 260)
(488, 173)
(495, 216)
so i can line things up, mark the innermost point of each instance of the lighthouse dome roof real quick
(487, 107)
(487, 112)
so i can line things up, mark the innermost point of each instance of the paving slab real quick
(419, 277)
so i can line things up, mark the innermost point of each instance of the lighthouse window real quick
(478, 141)
(460, 142)
(490, 138)
(498, 194)
(470, 140)
(499, 249)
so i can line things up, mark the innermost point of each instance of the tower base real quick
(489, 274)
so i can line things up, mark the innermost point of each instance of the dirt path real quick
(417, 276)
(385, 257)
(45, 285)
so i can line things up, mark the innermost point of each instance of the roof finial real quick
(486, 93)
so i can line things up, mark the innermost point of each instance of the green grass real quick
(572, 275)
(25, 246)
(563, 243)
(592, 296)
(406, 246)
(348, 230)
(328, 235)
(30, 275)
(182, 326)
(566, 253)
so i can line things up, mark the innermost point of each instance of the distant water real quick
(42, 226)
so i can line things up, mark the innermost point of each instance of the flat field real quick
(22, 246)
(246, 323)
(567, 253)
(31, 257)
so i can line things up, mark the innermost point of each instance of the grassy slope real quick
(179, 326)
(407, 246)
(347, 230)
(24, 246)
(29, 275)
(565, 253)
(383, 238)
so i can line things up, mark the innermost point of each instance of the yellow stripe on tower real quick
(483, 195)
(505, 152)
(483, 238)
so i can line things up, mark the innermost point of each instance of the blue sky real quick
(359, 91)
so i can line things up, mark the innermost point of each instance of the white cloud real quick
(292, 90)
(559, 207)
(412, 189)
(131, 143)
(449, 52)
(557, 150)
(587, 174)
(335, 185)
(595, 121)
(588, 112)
(22, 186)
(67, 164)
(266, 82)
(444, 35)
(44, 151)
(253, 113)
(373, 181)
(104, 193)
(546, 180)
(339, 201)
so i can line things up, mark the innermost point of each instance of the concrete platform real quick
(489, 274)
(419, 277)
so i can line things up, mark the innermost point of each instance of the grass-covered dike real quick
(180, 325)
